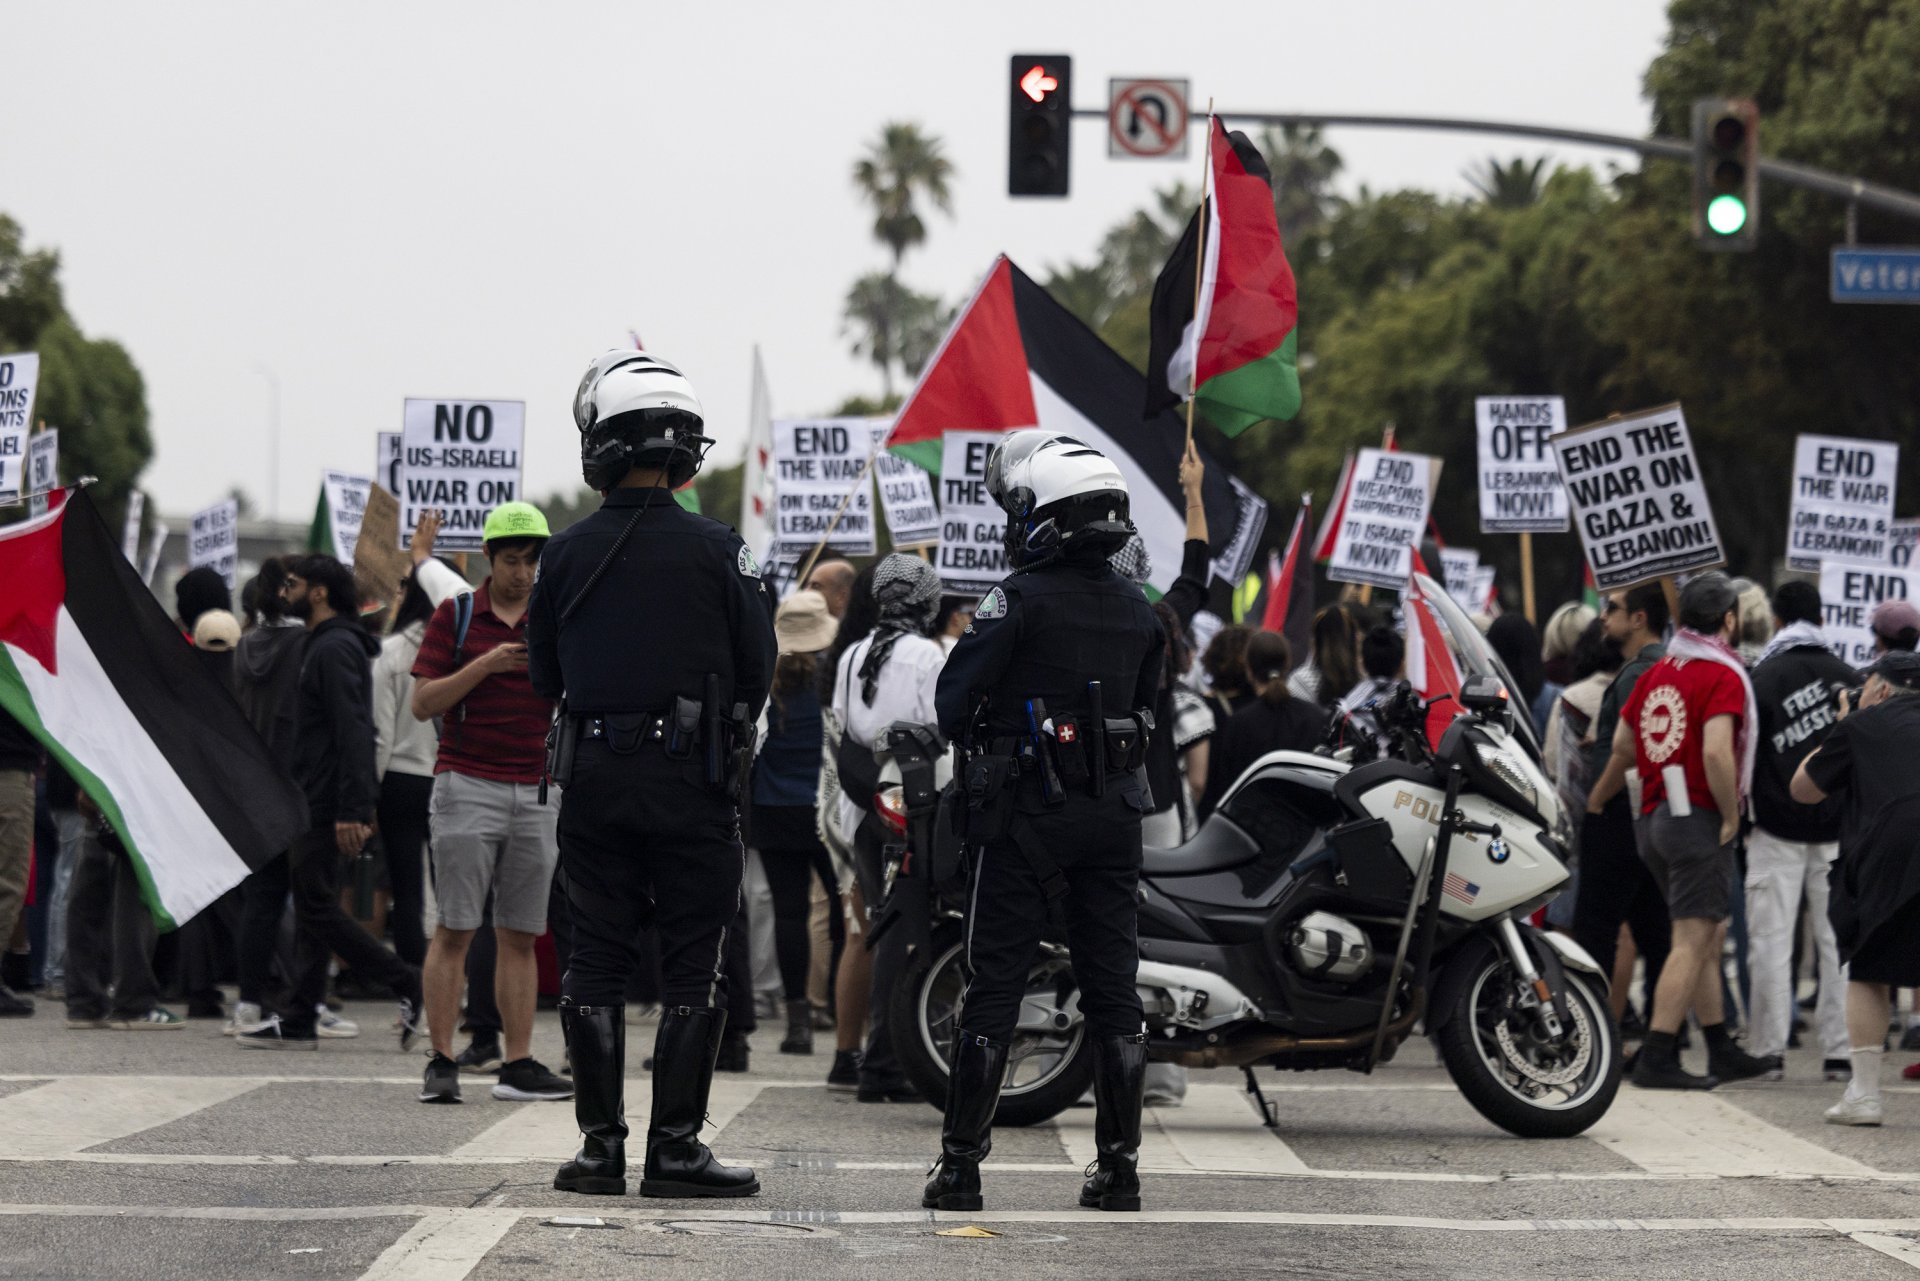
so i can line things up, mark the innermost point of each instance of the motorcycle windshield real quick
(1476, 658)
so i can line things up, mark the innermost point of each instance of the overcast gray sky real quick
(470, 200)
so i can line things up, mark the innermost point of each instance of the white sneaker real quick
(246, 1017)
(1854, 1111)
(327, 1023)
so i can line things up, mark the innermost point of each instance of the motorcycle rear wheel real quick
(1047, 1073)
(1534, 1091)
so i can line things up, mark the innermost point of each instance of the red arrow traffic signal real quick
(1039, 124)
(1037, 84)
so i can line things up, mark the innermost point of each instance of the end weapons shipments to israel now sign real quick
(1842, 501)
(18, 376)
(462, 457)
(1520, 489)
(1638, 500)
(1388, 500)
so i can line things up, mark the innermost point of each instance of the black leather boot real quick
(973, 1091)
(1119, 1075)
(678, 1163)
(799, 1029)
(597, 1044)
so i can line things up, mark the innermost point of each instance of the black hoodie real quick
(266, 678)
(1795, 690)
(333, 736)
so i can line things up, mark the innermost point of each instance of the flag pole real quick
(1526, 572)
(866, 470)
(1200, 270)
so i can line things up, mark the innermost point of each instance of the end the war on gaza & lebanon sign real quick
(1842, 501)
(1638, 499)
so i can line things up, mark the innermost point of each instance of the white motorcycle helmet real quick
(1060, 495)
(633, 408)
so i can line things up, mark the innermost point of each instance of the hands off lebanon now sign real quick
(1638, 499)
(1520, 489)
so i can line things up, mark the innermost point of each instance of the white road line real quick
(1893, 1247)
(1216, 1130)
(67, 1116)
(547, 1132)
(324, 1080)
(443, 1246)
(1681, 1132)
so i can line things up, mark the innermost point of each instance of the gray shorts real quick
(493, 836)
(1692, 868)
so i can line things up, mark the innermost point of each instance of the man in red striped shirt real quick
(491, 833)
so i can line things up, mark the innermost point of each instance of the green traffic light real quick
(1726, 214)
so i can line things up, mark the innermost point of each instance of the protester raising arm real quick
(1189, 591)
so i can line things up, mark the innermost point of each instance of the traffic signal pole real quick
(1857, 191)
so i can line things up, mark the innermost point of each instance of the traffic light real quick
(1726, 174)
(1039, 124)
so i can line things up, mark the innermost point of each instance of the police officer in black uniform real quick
(1049, 694)
(651, 626)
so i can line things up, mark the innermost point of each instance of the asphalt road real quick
(173, 1154)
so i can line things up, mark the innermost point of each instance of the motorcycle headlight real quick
(1498, 761)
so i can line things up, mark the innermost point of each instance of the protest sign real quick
(462, 457)
(19, 374)
(1481, 591)
(43, 469)
(346, 498)
(130, 532)
(1520, 489)
(1458, 568)
(816, 461)
(379, 566)
(1638, 499)
(386, 460)
(906, 495)
(1842, 501)
(1848, 594)
(213, 538)
(155, 541)
(1387, 504)
(973, 554)
(1902, 537)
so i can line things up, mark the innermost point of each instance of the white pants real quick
(1777, 873)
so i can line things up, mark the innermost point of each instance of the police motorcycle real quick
(1325, 912)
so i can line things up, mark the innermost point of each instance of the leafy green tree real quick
(1304, 169)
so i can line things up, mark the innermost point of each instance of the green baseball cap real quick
(515, 520)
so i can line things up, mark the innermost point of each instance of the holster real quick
(740, 757)
(683, 728)
(987, 785)
(563, 741)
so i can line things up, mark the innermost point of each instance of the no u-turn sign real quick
(1147, 119)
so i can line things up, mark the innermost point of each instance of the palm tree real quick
(1304, 168)
(871, 317)
(902, 166)
(1514, 185)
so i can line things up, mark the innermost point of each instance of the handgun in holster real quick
(743, 733)
(563, 740)
(1041, 748)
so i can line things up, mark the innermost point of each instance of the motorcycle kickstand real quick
(1269, 1112)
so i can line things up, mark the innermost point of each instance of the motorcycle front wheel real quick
(1526, 1085)
(1048, 1068)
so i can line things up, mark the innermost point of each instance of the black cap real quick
(1898, 667)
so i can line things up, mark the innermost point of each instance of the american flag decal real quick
(1460, 887)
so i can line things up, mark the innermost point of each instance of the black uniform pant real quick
(1617, 888)
(640, 838)
(1008, 917)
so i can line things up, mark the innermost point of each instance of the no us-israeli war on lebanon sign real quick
(463, 457)
(1638, 499)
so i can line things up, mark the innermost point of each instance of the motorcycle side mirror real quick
(1485, 696)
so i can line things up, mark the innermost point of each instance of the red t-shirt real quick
(502, 734)
(1667, 714)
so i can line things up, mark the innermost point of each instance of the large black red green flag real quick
(1237, 347)
(95, 670)
(1015, 358)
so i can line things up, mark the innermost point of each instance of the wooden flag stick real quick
(1526, 574)
(1200, 270)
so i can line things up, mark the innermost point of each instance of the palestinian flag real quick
(1015, 358)
(1243, 338)
(95, 670)
(1430, 666)
(1329, 532)
(1290, 588)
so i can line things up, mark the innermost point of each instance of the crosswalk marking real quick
(1216, 1129)
(1687, 1132)
(63, 1117)
(541, 1131)
(444, 1246)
